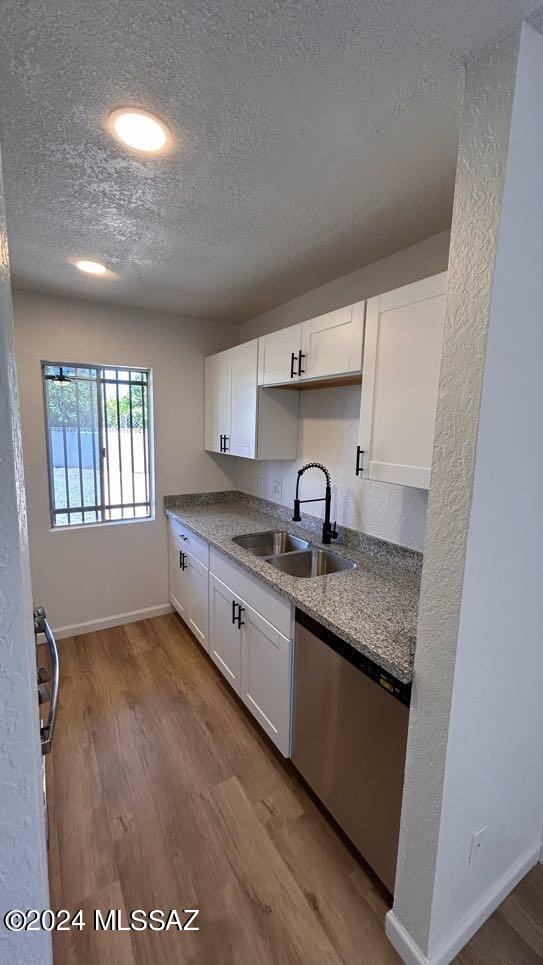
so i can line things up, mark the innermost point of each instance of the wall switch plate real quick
(276, 489)
(476, 846)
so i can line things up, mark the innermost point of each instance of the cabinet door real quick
(198, 595)
(177, 577)
(266, 676)
(400, 381)
(215, 401)
(242, 399)
(278, 355)
(332, 343)
(224, 635)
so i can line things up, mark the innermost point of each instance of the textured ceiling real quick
(312, 138)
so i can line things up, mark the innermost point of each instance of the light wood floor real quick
(163, 793)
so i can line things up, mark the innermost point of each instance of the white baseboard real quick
(409, 951)
(116, 620)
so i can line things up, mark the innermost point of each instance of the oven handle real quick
(41, 626)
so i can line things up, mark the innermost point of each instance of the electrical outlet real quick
(476, 846)
(276, 489)
(259, 485)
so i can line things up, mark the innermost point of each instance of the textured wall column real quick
(23, 861)
(493, 96)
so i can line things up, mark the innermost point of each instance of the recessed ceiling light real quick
(91, 267)
(139, 130)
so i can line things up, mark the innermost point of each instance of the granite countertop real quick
(373, 608)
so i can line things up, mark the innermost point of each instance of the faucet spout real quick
(328, 531)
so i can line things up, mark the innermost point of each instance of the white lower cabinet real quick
(188, 588)
(254, 656)
(266, 671)
(224, 606)
(198, 599)
(225, 637)
(177, 584)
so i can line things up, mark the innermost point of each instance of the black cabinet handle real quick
(225, 441)
(292, 361)
(222, 443)
(182, 563)
(236, 617)
(359, 454)
(300, 357)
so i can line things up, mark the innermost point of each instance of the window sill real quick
(109, 522)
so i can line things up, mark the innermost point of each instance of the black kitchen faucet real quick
(328, 531)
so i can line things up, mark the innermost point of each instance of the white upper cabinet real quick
(400, 380)
(328, 346)
(242, 419)
(332, 343)
(215, 401)
(279, 356)
(242, 399)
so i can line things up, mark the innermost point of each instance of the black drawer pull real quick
(292, 361)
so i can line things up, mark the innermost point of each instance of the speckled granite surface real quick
(374, 607)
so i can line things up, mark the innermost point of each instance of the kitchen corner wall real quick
(95, 573)
(329, 417)
(23, 849)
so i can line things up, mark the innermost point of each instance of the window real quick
(97, 425)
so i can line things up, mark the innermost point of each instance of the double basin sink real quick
(293, 555)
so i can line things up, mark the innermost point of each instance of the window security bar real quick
(98, 446)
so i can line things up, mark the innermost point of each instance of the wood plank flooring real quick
(163, 793)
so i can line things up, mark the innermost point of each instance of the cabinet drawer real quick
(189, 542)
(273, 607)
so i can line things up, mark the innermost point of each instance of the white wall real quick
(475, 751)
(126, 563)
(329, 417)
(23, 862)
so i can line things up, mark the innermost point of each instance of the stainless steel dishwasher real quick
(349, 740)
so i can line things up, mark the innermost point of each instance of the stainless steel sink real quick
(312, 562)
(271, 543)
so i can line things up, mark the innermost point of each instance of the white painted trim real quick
(409, 951)
(114, 621)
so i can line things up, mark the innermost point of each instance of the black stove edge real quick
(383, 678)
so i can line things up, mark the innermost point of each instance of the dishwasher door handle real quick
(41, 626)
